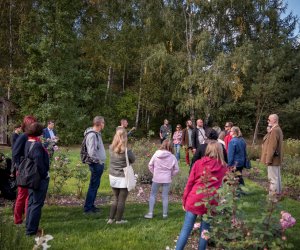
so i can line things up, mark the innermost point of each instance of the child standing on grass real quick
(163, 165)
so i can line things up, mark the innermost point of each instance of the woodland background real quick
(149, 60)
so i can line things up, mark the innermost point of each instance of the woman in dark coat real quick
(35, 150)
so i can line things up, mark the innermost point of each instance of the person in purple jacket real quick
(164, 166)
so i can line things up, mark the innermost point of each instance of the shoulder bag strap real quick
(126, 156)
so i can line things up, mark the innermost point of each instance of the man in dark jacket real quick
(200, 152)
(199, 135)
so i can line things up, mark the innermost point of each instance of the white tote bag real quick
(129, 174)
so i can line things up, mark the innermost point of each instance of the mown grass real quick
(74, 230)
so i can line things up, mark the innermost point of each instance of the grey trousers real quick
(274, 177)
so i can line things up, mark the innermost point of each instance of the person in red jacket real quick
(211, 166)
(228, 137)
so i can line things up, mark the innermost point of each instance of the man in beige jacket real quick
(272, 153)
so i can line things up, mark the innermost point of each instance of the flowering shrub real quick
(286, 220)
(244, 232)
(143, 150)
(80, 173)
(60, 172)
(50, 145)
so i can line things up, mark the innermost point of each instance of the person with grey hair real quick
(97, 157)
(272, 153)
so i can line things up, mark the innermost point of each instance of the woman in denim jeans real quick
(211, 166)
(163, 165)
(177, 139)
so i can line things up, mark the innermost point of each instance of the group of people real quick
(26, 143)
(213, 152)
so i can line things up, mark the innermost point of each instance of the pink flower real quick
(205, 235)
(286, 220)
(196, 226)
(55, 148)
(141, 192)
(56, 158)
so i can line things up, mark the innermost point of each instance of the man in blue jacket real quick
(49, 132)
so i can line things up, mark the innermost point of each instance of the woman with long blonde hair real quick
(117, 152)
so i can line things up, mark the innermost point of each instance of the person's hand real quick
(12, 175)
(194, 150)
(183, 208)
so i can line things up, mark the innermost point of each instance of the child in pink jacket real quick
(163, 165)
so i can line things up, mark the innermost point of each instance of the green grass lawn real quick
(72, 229)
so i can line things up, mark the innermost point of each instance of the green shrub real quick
(60, 172)
(291, 175)
(253, 152)
(81, 174)
(292, 147)
(143, 150)
(179, 182)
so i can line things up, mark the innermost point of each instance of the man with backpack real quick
(93, 154)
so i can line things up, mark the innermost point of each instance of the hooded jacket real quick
(212, 168)
(95, 147)
(163, 165)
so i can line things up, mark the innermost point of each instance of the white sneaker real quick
(110, 221)
(148, 216)
(121, 221)
(165, 216)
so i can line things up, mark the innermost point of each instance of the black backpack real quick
(28, 175)
(83, 150)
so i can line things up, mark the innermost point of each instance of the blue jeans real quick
(187, 227)
(177, 151)
(96, 173)
(165, 196)
(35, 203)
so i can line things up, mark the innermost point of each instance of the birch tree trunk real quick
(124, 75)
(189, 41)
(259, 111)
(10, 50)
(109, 81)
(138, 106)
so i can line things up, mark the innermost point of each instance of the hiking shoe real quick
(165, 216)
(121, 221)
(148, 216)
(110, 221)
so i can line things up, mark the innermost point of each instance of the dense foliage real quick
(150, 60)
